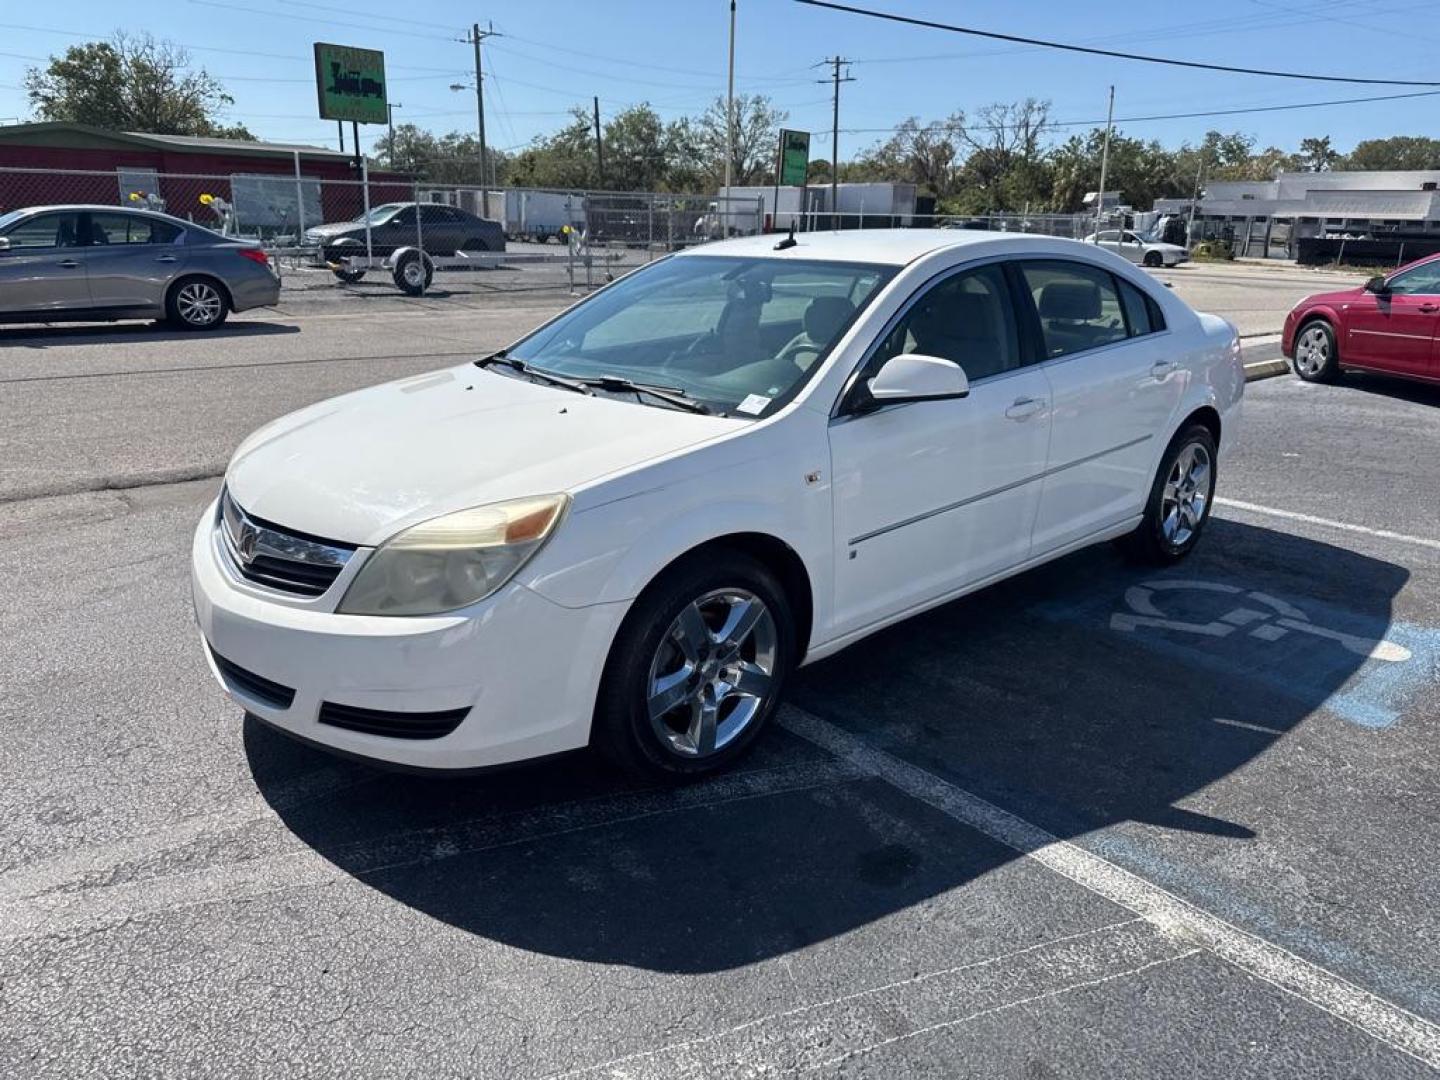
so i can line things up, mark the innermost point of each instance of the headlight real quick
(452, 561)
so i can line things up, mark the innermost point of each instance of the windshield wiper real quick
(672, 395)
(538, 374)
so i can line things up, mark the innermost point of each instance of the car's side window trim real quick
(839, 410)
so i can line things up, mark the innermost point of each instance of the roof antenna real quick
(790, 240)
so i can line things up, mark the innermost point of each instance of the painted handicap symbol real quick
(1256, 614)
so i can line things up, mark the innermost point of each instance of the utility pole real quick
(835, 80)
(599, 149)
(1199, 179)
(729, 127)
(476, 37)
(1104, 165)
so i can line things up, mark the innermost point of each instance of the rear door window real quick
(1078, 306)
(115, 229)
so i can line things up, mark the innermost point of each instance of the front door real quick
(43, 269)
(1396, 331)
(933, 496)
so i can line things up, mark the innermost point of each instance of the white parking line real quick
(1328, 523)
(1398, 1028)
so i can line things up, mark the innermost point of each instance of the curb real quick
(1266, 369)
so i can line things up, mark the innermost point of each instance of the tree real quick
(1005, 162)
(1317, 155)
(638, 150)
(439, 159)
(563, 159)
(927, 156)
(131, 84)
(757, 133)
(1398, 152)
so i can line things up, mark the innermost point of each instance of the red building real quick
(56, 162)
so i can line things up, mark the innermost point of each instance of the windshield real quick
(740, 335)
(12, 216)
(381, 214)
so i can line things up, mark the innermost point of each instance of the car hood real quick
(361, 467)
(1339, 296)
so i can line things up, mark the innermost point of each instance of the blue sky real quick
(672, 53)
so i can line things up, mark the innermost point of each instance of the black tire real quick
(1153, 541)
(349, 277)
(197, 303)
(623, 729)
(1317, 356)
(407, 273)
(1154, 259)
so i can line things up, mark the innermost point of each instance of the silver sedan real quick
(84, 263)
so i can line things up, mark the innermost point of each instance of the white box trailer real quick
(539, 215)
(738, 206)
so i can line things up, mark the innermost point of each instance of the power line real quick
(1090, 50)
(942, 126)
(322, 22)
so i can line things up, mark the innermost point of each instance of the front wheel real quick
(349, 277)
(196, 304)
(697, 668)
(1315, 355)
(1154, 259)
(1179, 502)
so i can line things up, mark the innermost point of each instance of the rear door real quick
(1115, 386)
(130, 259)
(1396, 331)
(43, 270)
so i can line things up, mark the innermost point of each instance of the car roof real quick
(893, 247)
(101, 208)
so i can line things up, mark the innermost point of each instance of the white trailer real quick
(539, 215)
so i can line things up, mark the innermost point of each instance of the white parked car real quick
(632, 525)
(1137, 249)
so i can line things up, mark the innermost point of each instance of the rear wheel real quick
(1179, 502)
(350, 277)
(697, 668)
(1316, 359)
(196, 303)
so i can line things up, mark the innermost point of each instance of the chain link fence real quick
(386, 232)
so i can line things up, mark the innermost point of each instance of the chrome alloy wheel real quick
(414, 273)
(713, 672)
(1186, 494)
(1312, 350)
(198, 303)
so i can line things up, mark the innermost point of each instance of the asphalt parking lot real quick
(1094, 821)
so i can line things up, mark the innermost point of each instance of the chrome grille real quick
(278, 558)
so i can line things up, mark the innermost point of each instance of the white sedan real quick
(1137, 249)
(630, 527)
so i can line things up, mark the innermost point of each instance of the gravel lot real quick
(1035, 833)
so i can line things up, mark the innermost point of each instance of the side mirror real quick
(1377, 285)
(912, 377)
(4, 243)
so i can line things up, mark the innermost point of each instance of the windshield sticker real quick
(753, 405)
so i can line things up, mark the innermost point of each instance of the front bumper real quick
(525, 668)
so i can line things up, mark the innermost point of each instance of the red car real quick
(1391, 324)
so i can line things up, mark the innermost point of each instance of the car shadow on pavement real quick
(1401, 389)
(40, 335)
(1085, 695)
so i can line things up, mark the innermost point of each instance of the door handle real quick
(1024, 408)
(68, 264)
(1161, 368)
(165, 258)
(1429, 308)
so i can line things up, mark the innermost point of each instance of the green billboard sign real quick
(350, 83)
(794, 157)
